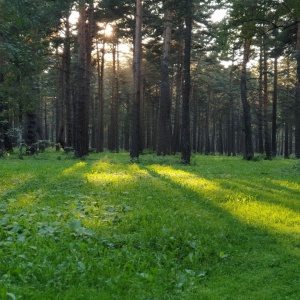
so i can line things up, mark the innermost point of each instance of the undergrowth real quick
(105, 228)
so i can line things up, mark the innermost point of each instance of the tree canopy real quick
(69, 83)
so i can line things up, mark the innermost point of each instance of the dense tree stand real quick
(186, 91)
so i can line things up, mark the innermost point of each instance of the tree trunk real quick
(231, 122)
(297, 98)
(100, 96)
(248, 151)
(195, 125)
(113, 128)
(164, 126)
(176, 123)
(260, 102)
(31, 136)
(5, 141)
(274, 110)
(1, 103)
(67, 85)
(127, 125)
(59, 106)
(286, 116)
(81, 142)
(220, 147)
(207, 126)
(135, 126)
(266, 103)
(185, 138)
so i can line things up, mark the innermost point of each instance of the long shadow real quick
(239, 186)
(255, 249)
(269, 193)
(202, 198)
(241, 242)
(33, 185)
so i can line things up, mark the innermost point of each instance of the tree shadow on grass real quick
(176, 230)
(257, 258)
(267, 193)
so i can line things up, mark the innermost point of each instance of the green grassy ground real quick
(103, 228)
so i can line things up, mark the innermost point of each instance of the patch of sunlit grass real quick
(290, 185)
(186, 179)
(105, 173)
(9, 182)
(266, 216)
(251, 203)
(104, 228)
(74, 168)
(24, 200)
(105, 178)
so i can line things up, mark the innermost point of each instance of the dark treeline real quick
(159, 76)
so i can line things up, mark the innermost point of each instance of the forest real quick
(155, 76)
(144, 149)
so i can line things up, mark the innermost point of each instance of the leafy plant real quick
(105, 228)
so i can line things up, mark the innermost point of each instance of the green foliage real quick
(104, 228)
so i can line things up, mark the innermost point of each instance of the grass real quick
(103, 228)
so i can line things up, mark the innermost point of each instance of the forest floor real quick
(104, 228)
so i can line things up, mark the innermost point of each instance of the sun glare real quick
(74, 17)
(218, 15)
(109, 30)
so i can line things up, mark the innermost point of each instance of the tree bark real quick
(260, 102)
(176, 123)
(100, 96)
(286, 113)
(67, 85)
(81, 142)
(113, 128)
(207, 124)
(274, 108)
(231, 119)
(135, 126)
(297, 98)
(164, 126)
(248, 151)
(266, 103)
(59, 105)
(185, 136)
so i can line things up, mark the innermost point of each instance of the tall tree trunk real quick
(248, 151)
(260, 101)
(232, 109)
(100, 96)
(31, 135)
(113, 128)
(135, 126)
(142, 139)
(195, 125)
(176, 123)
(164, 126)
(274, 110)
(266, 103)
(5, 141)
(297, 98)
(207, 125)
(286, 115)
(127, 125)
(1, 102)
(67, 85)
(46, 130)
(59, 105)
(286, 140)
(185, 136)
(220, 147)
(81, 142)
